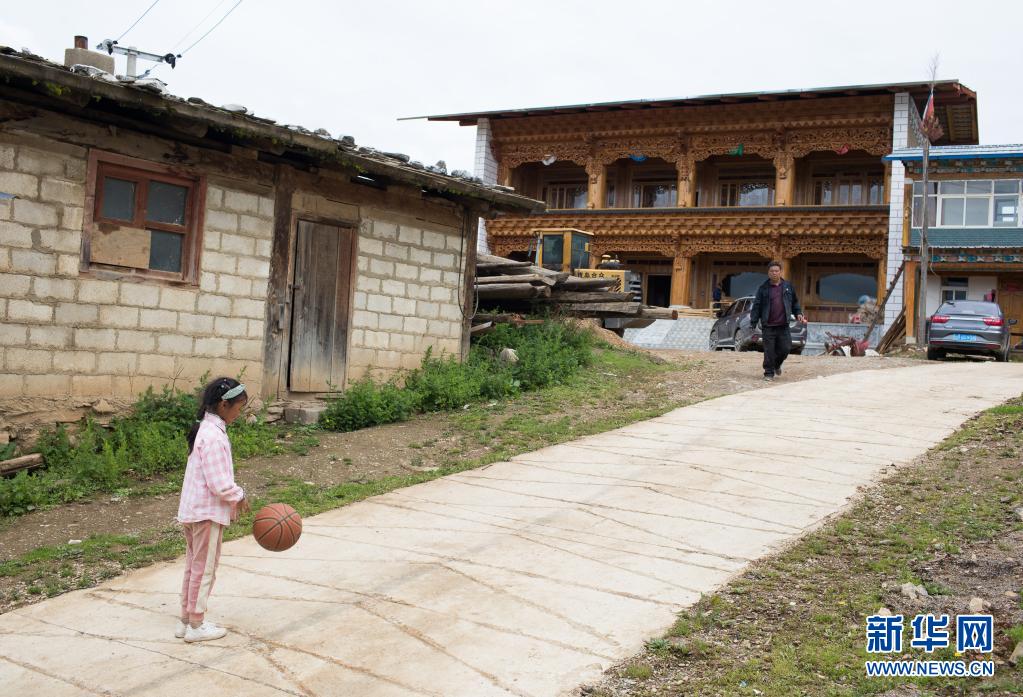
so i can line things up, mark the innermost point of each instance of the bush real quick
(366, 404)
(149, 441)
(549, 353)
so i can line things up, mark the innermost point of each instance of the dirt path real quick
(426, 441)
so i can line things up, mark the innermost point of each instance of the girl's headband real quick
(234, 392)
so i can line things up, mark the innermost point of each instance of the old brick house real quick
(146, 239)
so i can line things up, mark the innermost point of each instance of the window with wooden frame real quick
(145, 219)
(565, 194)
(848, 189)
(750, 192)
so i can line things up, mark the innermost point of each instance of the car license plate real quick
(964, 337)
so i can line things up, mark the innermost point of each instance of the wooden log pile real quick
(520, 286)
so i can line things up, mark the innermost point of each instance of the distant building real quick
(975, 232)
(702, 191)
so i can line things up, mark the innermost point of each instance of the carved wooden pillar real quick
(681, 278)
(909, 284)
(504, 174)
(686, 168)
(882, 276)
(596, 177)
(784, 179)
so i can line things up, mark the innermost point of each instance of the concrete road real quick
(522, 578)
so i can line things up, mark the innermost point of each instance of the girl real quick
(210, 500)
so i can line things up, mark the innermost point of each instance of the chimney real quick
(81, 55)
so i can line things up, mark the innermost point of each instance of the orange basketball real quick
(277, 527)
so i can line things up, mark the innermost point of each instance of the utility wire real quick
(210, 30)
(155, 3)
(199, 24)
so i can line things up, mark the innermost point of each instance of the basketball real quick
(277, 527)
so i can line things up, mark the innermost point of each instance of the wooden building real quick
(147, 240)
(701, 192)
(975, 228)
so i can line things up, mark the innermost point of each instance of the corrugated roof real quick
(945, 87)
(970, 238)
(958, 152)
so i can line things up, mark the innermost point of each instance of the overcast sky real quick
(354, 68)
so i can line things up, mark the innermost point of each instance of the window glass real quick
(977, 210)
(932, 207)
(846, 287)
(118, 199)
(1006, 211)
(1006, 186)
(951, 187)
(737, 285)
(553, 252)
(654, 195)
(876, 191)
(165, 203)
(918, 187)
(165, 251)
(952, 211)
(978, 186)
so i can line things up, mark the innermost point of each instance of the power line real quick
(210, 30)
(199, 24)
(155, 3)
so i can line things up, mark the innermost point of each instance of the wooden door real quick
(320, 306)
(1010, 299)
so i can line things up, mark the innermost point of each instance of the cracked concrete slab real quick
(522, 578)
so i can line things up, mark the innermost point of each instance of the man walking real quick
(774, 303)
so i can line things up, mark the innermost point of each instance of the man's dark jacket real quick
(762, 303)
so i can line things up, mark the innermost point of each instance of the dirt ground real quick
(393, 449)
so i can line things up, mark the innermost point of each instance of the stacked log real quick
(520, 286)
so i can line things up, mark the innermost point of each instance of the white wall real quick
(977, 288)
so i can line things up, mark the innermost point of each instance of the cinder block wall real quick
(91, 335)
(408, 296)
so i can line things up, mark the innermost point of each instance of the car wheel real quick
(739, 346)
(935, 354)
(712, 343)
(1002, 356)
(796, 352)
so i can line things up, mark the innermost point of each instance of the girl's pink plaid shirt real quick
(209, 491)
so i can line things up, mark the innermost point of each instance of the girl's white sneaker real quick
(182, 627)
(207, 631)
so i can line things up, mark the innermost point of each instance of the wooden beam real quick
(25, 462)
(525, 278)
(511, 291)
(571, 296)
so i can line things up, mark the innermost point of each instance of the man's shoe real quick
(207, 631)
(768, 377)
(777, 372)
(179, 633)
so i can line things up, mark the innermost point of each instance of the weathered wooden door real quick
(320, 306)
(1010, 299)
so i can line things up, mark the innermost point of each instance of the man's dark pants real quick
(777, 345)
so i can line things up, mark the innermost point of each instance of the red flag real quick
(842, 150)
(929, 123)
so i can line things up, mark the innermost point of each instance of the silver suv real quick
(969, 327)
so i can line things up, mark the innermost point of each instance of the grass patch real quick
(142, 453)
(549, 354)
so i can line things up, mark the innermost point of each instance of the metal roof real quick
(951, 88)
(958, 152)
(969, 238)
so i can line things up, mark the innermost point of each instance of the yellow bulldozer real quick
(568, 250)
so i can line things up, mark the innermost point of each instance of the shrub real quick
(549, 353)
(366, 404)
(147, 442)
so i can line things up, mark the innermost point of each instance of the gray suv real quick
(969, 327)
(732, 330)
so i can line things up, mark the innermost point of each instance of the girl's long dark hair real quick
(211, 396)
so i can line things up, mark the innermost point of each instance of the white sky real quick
(355, 67)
